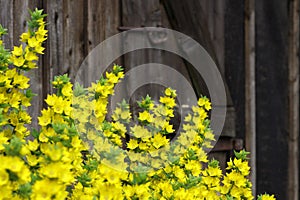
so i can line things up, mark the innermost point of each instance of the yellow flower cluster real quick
(84, 150)
(16, 174)
(26, 57)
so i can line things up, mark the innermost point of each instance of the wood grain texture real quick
(250, 107)
(271, 45)
(199, 19)
(293, 88)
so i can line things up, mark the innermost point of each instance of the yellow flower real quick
(58, 107)
(266, 197)
(132, 144)
(112, 78)
(21, 81)
(168, 101)
(18, 51)
(32, 160)
(14, 100)
(33, 42)
(236, 192)
(14, 164)
(3, 140)
(39, 49)
(158, 140)
(4, 177)
(168, 127)
(179, 173)
(76, 142)
(45, 119)
(67, 89)
(204, 102)
(213, 171)
(33, 145)
(140, 132)
(145, 116)
(30, 56)
(242, 166)
(24, 174)
(170, 93)
(238, 179)
(143, 146)
(41, 31)
(25, 36)
(51, 170)
(54, 152)
(31, 65)
(194, 166)
(51, 99)
(46, 189)
(18, 61)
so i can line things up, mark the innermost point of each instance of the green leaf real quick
(30, 94)
(35, 133)
(59, 128)
(243, 155)
(79, 90)
(14, 147)
(24, 190)
(213, 163)
(3, 31)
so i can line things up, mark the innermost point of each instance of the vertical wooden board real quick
(216, 28)
(54, 59)
(271, 96)
(213, 15)
(74, 36)
(6, 21)
(219, 33)
(102, 22)
(175, 61)
(293, 89)
(67, 38)
(250, 107)
(234, 60)
(190, 19)
(139, 14)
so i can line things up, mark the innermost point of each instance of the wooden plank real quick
(234, 60)
(213, 12)
(250, 118)
(172, 60)
(271, 45)
(74, 37)
(75, 34)
(6, 21)
(66, 46)
(140, 14)
(189, 18)
(54, 59)
(293, 78)
(102, 22)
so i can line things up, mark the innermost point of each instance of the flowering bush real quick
(84, 152)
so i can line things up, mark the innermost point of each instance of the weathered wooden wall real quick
(75, 28)
(221, 26)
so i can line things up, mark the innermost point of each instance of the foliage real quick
(80, 151)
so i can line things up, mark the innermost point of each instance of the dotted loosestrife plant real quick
(81, 150)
